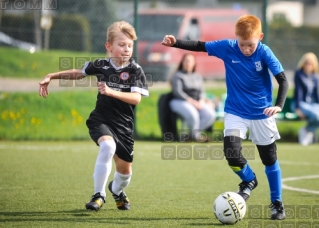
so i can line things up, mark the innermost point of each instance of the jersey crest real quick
(258, 66)
(124, 76)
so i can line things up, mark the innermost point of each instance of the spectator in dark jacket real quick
(306, 96)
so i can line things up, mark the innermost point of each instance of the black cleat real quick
(122, 202)
(246, 187)
(96, 202)
(277, 210)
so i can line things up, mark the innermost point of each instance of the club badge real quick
(124, 76)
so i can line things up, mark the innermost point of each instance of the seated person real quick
(306, 96)
(189, 97)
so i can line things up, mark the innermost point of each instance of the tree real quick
(100, 14)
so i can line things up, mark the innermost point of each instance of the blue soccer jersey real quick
(248, 80)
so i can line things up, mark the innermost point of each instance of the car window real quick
(154, 27)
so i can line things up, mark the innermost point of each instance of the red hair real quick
(248, 26)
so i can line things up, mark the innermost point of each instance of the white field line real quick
(284, 186)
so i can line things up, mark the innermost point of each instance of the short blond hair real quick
(120, 26)
(309, 56)
(248, 26)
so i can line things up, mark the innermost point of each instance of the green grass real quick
(46, 184)
(62, 116)
(22, 64)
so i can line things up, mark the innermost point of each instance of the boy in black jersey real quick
(121, 83)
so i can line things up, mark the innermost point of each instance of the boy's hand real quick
(169, 40)
(43, 86)
(272, 110)
(104, 89)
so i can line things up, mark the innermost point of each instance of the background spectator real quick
(306, 96)
(189, 97)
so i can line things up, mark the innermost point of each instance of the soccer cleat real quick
(122, 202)
(277, 210)
(96, 202)
(246, 187)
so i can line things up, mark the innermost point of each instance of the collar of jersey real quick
(116, 67)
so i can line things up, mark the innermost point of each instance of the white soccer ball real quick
(229, 208)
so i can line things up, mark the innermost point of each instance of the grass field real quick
(46, 184)
(22, 64)
(62, 116)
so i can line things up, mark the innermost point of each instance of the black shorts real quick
(124, 142)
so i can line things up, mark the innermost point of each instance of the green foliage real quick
(46, 184)
(290, 43)
(70, 32)
(62, 116)
(22, 64)
(99, 13)
(280, 20)
(27, 116)
(19, 27)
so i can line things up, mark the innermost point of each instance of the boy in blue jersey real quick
(249, 103)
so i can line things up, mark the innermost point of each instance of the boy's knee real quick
(268, 153)
(232, 151)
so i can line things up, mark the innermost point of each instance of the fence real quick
(81, 26)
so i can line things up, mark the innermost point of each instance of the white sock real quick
(103, 166)
(120, 182)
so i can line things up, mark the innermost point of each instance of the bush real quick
(62, 116)
(290, 43)
(70, 32)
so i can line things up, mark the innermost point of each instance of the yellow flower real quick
(5, 115)
(33, 120)
(12, 115)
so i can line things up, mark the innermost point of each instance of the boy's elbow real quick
(136, 103)
(137, 99)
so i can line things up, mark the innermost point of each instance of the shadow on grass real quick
(84, 216)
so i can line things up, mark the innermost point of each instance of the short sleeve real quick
(217, 48)
(90, 68)
(140, 83)
(272, 62)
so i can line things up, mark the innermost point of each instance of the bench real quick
(168, 119)
(287, 114)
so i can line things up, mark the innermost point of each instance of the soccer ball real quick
(229, 208)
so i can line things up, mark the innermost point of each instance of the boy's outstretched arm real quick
(190, 45)
(281, 96)
(67, 74)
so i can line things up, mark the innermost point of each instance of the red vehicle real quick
(160, 62)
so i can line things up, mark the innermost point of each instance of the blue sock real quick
(245, 174)
(273, 173)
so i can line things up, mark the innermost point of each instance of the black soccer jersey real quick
(118, 115)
